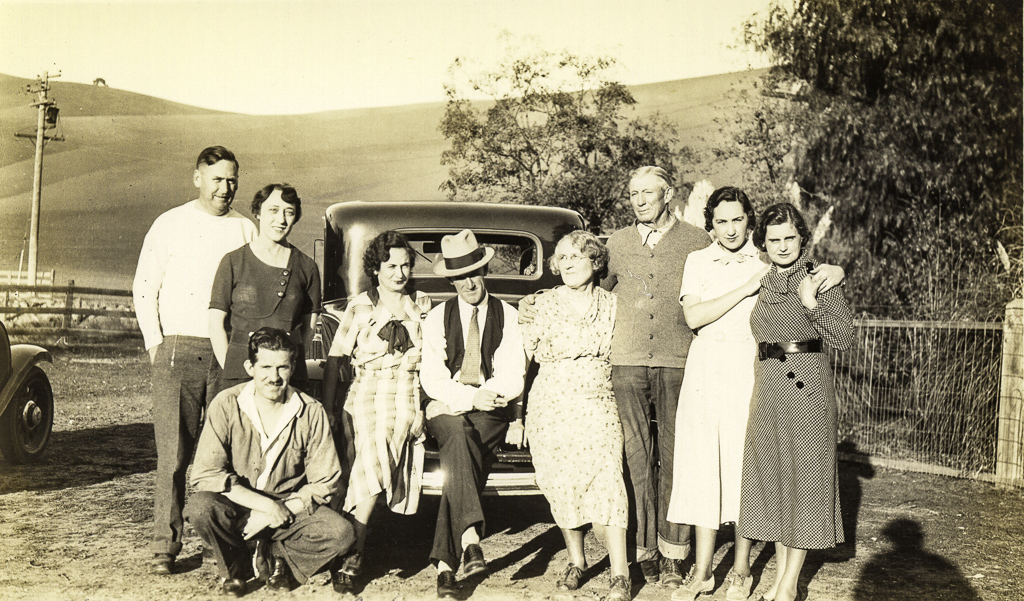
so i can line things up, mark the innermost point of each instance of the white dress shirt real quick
(508, 367)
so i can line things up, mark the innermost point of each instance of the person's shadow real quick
(852, 469)
(909, 571)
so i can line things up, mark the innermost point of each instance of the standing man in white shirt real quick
(472, 370)
(172, 286)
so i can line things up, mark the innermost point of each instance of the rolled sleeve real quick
(213, 471)
(323, 469)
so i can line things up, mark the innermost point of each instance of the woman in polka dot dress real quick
(790, 490)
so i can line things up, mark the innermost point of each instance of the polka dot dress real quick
(790, 490)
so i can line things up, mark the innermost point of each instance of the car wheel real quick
(26, 424)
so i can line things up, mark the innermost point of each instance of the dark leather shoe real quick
(232, 586)
(162, 564)
(342, 582)
(570, 578)
(473, 561)
(447, 587)
(671, 571)
(280, 576)
(650, 570)
(352, 564)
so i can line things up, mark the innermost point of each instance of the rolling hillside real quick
(128, 157)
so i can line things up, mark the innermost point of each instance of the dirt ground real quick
(77, 525)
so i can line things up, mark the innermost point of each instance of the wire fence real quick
(922, 392)
(939, 397)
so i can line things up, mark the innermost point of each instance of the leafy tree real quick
(906, 118)
(555, 131)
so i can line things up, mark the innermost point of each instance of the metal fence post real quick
(69, 305)
(1010, 445)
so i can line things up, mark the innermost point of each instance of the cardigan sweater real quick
(650, 329)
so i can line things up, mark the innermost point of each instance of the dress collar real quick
(725, 257)
(778, 281)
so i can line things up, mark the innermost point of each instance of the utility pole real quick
(47, 119)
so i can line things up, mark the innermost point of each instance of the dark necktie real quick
(471, 360)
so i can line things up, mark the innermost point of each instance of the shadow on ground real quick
(909, 571)
(84, 457)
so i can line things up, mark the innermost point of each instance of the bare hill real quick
(128, 157)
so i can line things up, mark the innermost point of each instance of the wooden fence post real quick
(1010, 445)
(69, 305)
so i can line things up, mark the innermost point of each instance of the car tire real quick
(26, 424)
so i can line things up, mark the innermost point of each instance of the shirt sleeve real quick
(833, 319)
(509, 364)
(691, 278)
(223, 282)
(313, 291)
(435, 378)
(212, 470)
(323, 470)
(149, 275)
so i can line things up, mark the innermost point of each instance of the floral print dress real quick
(572, 422)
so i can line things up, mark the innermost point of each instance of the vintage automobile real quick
(26, 401)
(523, 238)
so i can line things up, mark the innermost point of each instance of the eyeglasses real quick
(574, 258)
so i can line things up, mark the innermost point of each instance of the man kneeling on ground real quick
(265, 469)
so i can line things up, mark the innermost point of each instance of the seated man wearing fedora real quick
(473, 368)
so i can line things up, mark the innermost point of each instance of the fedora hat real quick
(461, 254)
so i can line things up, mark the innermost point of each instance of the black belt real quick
(777, 350)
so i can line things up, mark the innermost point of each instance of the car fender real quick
(23, 358)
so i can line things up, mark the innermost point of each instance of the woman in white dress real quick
(718, 293)
(720, 285)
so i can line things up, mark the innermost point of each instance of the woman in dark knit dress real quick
(267, 282)
(790, 491)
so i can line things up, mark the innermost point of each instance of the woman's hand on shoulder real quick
(527, 310)
(808, 290)
(828, 276)
(753, 285)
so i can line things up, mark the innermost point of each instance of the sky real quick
(279, 57)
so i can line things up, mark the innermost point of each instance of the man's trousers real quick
(467, 443)
(308, 544)
(185, 375)
(638, 389)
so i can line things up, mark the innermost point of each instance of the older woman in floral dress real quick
(572, 421)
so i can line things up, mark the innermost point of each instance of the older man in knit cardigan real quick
(645, 269)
